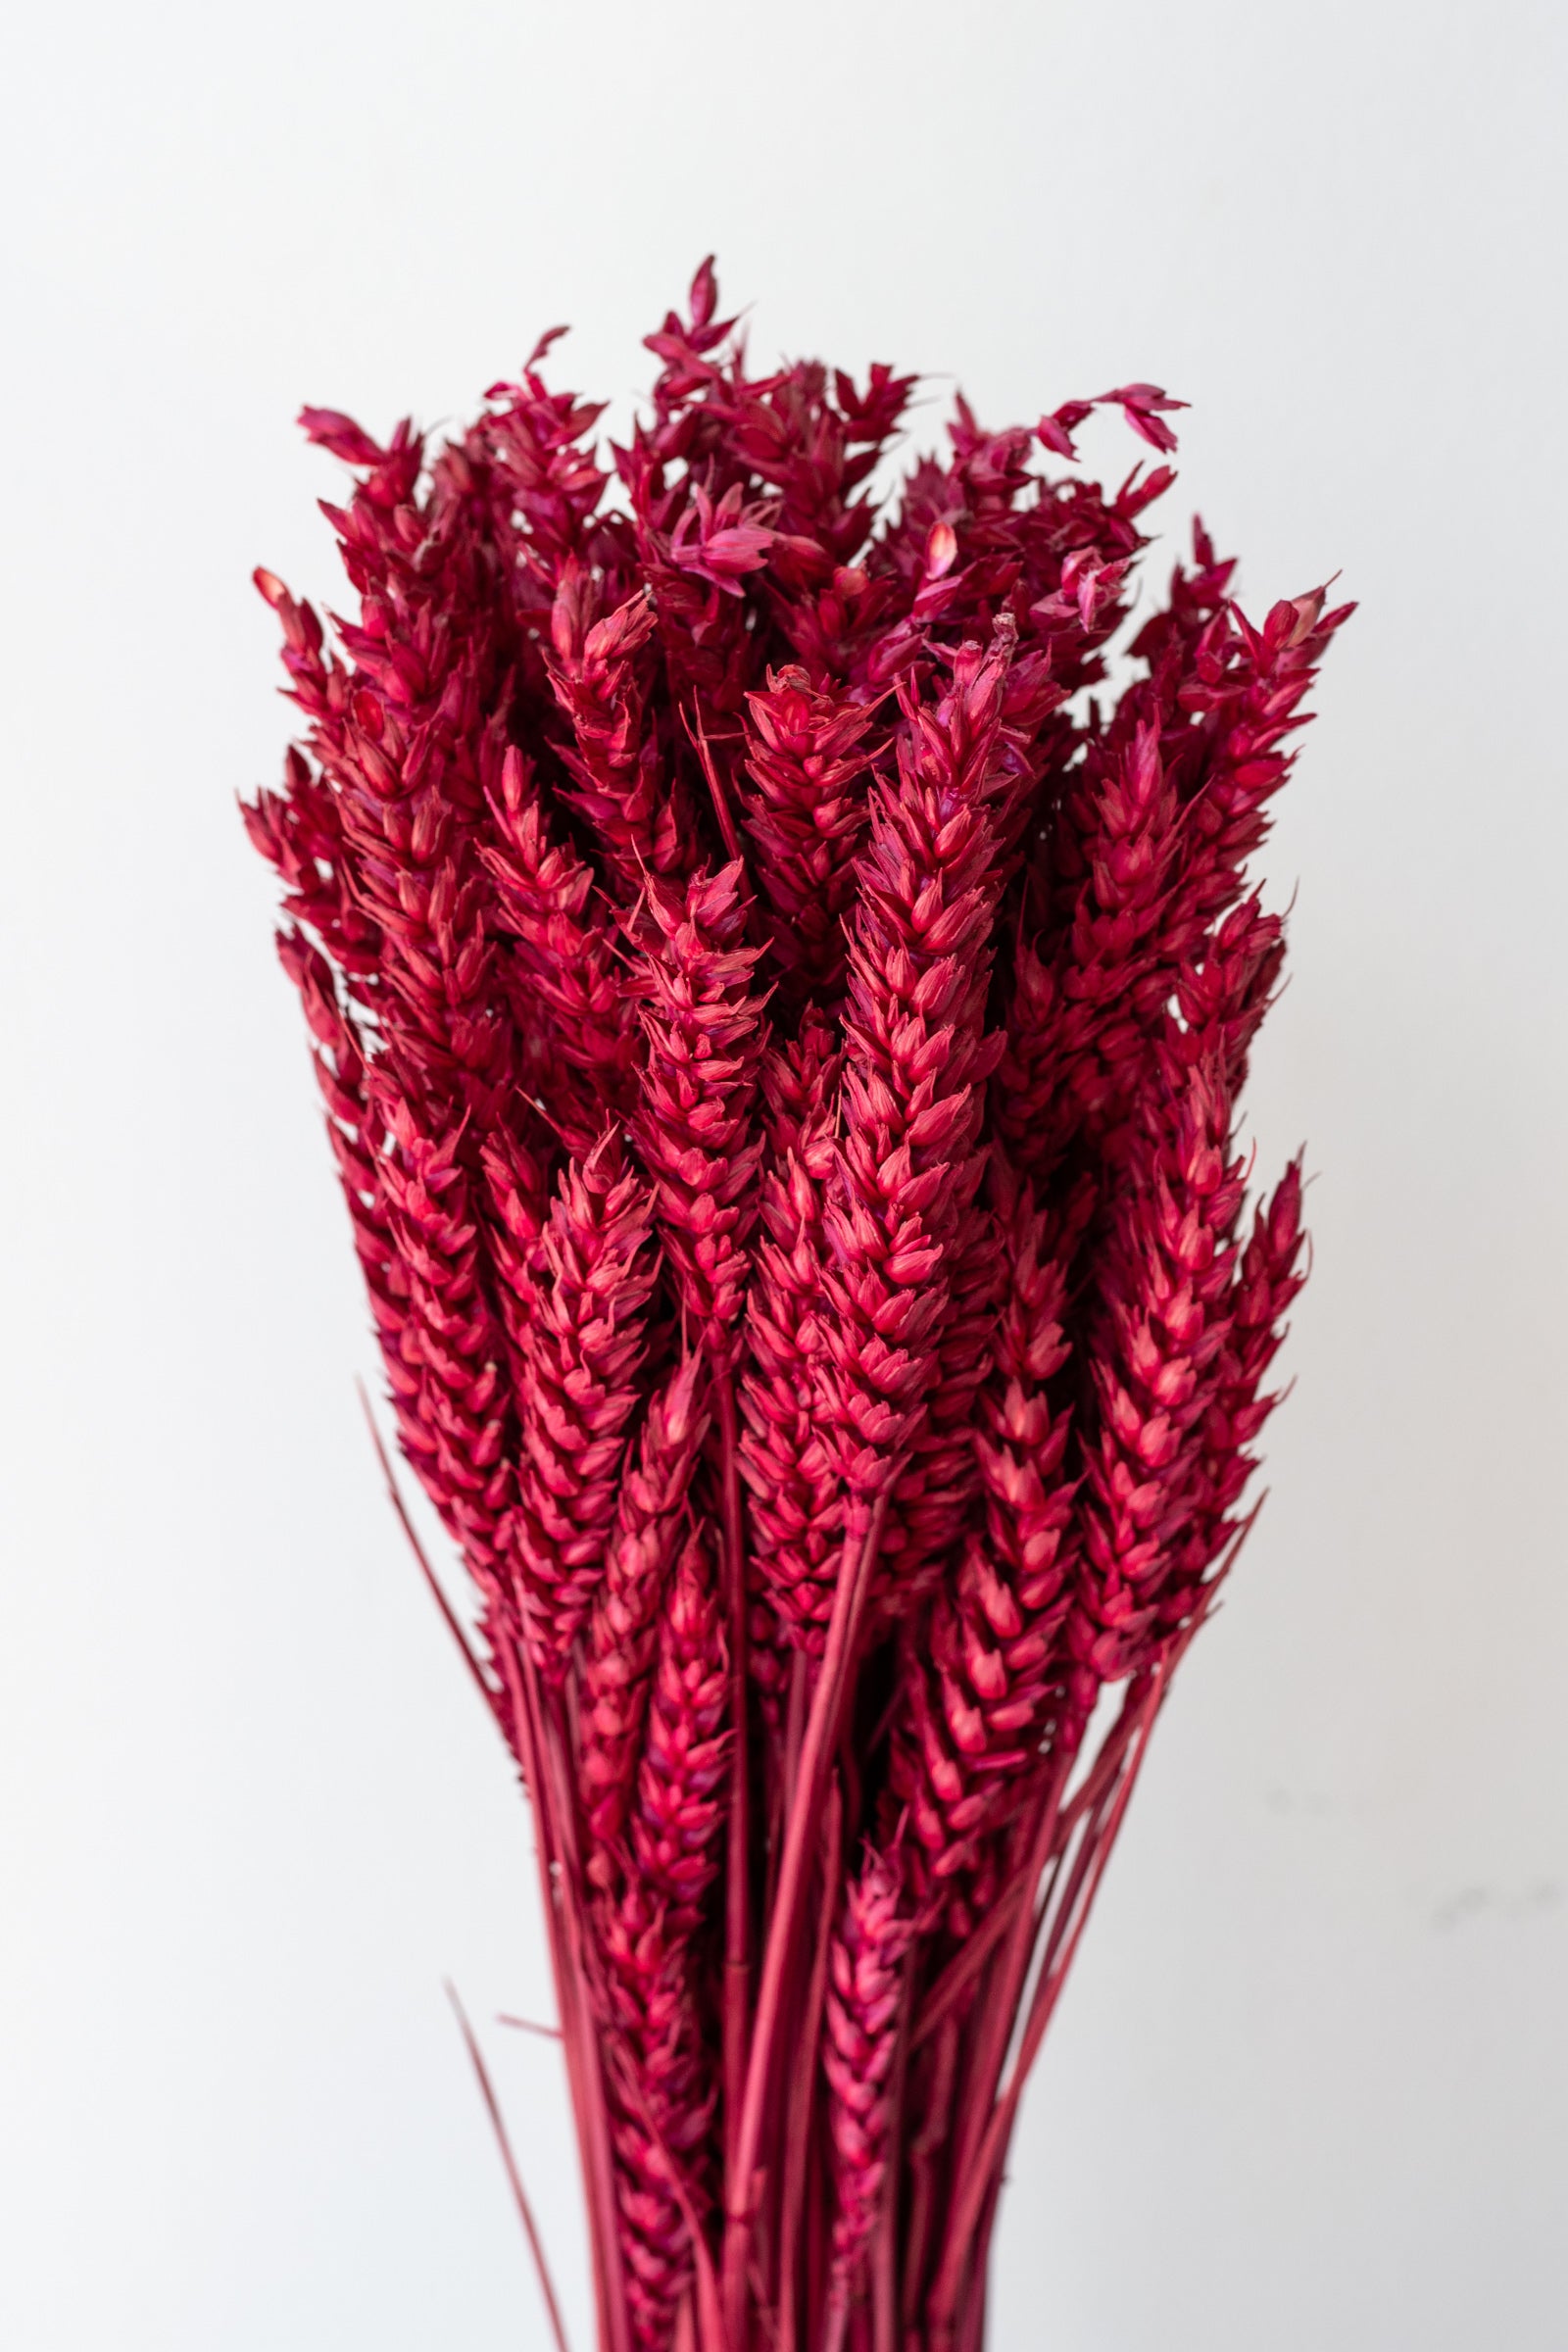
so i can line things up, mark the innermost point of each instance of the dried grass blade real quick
(513, 2175)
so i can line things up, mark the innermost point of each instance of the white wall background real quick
(1311, 2086)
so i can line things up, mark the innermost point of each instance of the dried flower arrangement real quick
(781, 1030)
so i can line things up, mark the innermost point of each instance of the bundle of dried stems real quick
(781, 1026)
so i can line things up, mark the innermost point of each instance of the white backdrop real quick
(1310, 2086)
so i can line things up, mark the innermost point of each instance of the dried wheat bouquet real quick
(781, 1020)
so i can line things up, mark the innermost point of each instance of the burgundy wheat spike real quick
(980, 1677)
(705, 1039)
(653, 1944)
(1077, 1039)
(445, 1365)
(784, 1453)
(623, 1634)
(907, 1169)
(805, 816)
(566, 980)
(601, 679)
(865, 2000)
(547, 487)
(1267, 1283)
(662, 2108)
(782, 953)
(678, 1809)
(582, 1337)
(1168, 1289)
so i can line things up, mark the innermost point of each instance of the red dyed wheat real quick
(780, 1024)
